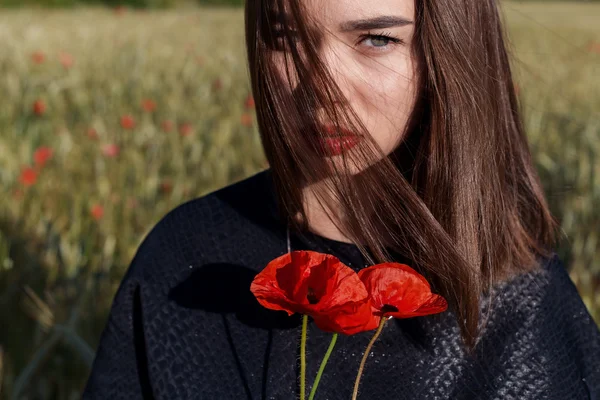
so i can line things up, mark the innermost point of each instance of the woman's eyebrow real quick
(384, 21)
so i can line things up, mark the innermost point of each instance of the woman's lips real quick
(333, 146)
(334, 142)
(330, 130)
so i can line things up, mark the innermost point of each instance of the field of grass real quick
(110, 119)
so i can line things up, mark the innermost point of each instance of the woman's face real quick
(367, 46)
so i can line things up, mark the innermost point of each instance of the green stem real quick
(322, 367)
(303, 356)
(364, 359)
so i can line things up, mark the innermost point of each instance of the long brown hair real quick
(459, 196)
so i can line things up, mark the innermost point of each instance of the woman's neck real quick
(320, 219)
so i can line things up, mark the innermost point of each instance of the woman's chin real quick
(350, 166)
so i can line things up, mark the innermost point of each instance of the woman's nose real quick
(304, 89)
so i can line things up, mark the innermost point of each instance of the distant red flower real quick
(92, 133)
(217, 84)
(318, 285)
(110, 150)
(39, 107)
(66, 60)
(119, 10)
(148, 105)
(97, 211)
(246, 119)
(42, 155)
(200, 60)
(166, 187)
(398, 291)
(185, 129)
(127, 122)
(38, 57)
(249, 102)
(28, 176)
(594, 47)
(167, 126)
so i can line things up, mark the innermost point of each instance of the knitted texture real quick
(184, 324)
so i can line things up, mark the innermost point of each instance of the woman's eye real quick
(379, 42)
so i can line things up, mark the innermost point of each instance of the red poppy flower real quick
(166, 187)
(246, 119)
(28, 176)
(38, 57)
(319, 285)
(92, 133)
(97, 211)
(119, 10)
(185, 129)
(217, 84)
(249, 102)
(66, 60)
(399, 291)
(42, 155)
(594, 47)
(167, 126)
(148, 105)
(39, 107)
(110, 150)
(127, 122)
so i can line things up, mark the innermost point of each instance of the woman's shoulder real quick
(200, 227)
(540, 328)
(548, 285)
(545, 294)
(206, 212)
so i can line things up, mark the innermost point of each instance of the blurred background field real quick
(111, 117)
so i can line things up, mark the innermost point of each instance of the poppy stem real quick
(322, 367)
(364, 359)
(303, 357)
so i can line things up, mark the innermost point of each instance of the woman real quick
(393, 134)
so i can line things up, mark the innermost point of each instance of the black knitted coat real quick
(184, 324)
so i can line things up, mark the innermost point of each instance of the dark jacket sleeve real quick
(119, 370)
(554, 350)
(541, 343)
(580, 339)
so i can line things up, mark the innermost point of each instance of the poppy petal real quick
(436, 304)
(316, 284)
(350, 320)
(401, 290)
